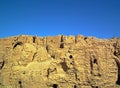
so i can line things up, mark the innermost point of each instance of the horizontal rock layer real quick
(59, 62)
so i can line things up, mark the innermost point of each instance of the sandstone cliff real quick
(59, 62)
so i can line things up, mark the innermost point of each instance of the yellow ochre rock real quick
(59, 62)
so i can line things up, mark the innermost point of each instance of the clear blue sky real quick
(100, 18)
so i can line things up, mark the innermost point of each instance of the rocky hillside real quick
(59, 62)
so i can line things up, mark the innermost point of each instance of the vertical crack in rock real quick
(118, 66)
(91, 66)
(47, 48)
(76, 76)
(2, 64)
(116, 53)
(62, 42)
(48, 72)
(34, 39)
(62, 38)
(34, 55)
(95, 61)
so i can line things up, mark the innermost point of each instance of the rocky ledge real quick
(59, 62)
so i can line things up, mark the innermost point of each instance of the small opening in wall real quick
(75, 86)
(94, 86)
(53, 56)
(95, 61)
(55, 85)
(62, 45)
(19, 82)
(62, 38)
(34, 39)
(70, 56)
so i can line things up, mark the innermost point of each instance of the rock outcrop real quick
(59, 62)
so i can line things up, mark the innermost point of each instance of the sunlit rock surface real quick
(59, 62)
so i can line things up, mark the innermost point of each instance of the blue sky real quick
(99, 18)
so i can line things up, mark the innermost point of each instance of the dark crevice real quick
(62, 42)
(70, 56)
(55, 85)
(95, 61)
(118, 66)
(47, 48)
(18, 43)
(76, 76)
(94, 86)
(118, 80)
(34, 39)
(62, 45)
(115, 53)
(85, 38)
(34, 56)
(75, 86)
(50, 71)
(64, 66)
(62, 38)
(2, 64)
(91, 65)
(53, 56)
(20, 84)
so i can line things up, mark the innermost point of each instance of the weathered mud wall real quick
(59, 62)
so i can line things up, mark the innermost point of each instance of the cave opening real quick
(75, 86)
(55, 85)
(70, 56)
(95, 61)
(62, 45)
(34, 39)
(94, 86)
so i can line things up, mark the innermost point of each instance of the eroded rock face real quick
(59, 62)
